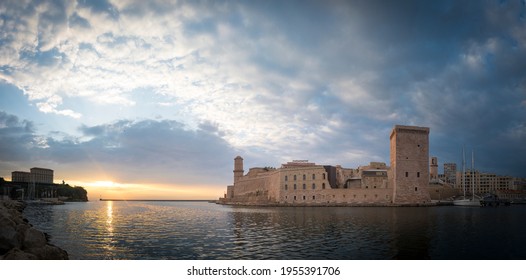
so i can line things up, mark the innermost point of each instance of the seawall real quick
(321, 204)
(19, 240)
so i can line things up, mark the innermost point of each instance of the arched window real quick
(286, 178)
(313, 176)
(286, 187)
(304, 177)
(294, 177)
(313, 186)
(304, 186)
(294, 186)
(323, 185)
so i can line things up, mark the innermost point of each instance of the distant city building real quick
(301, 182)
(484, 182)
(450, 173)
(519, 184)
(20, 176)
(36, 175)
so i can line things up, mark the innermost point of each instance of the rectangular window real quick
(286, 187)
(286, 178)
(304, 186)
(313, 197)
(418, 174)
(407, 174)
(294, 186)
(303, 197)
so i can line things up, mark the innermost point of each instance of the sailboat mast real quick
(463, 171)
(473, 172)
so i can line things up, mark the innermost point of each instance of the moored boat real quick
(473, 200)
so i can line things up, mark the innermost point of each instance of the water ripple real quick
(199, 230)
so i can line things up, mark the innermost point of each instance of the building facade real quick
(20, 176)
(301, 182)
(484, 183)
(450, 173)
(36, 175)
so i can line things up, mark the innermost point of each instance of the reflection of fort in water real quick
(404, 182)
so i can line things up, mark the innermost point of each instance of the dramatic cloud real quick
(273, 80)
(130, 151)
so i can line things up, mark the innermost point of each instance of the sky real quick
(154, 99)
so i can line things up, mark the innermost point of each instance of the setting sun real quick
(108, 189)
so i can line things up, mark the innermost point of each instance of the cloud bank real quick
(272, 80)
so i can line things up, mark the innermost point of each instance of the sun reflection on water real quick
(109, 219)
(108, 239)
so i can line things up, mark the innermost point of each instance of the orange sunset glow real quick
(116, 190)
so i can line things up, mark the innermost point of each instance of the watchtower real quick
(238, 168)
(433, 169)
(410, 164)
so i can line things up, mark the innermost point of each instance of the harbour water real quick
(200, 230)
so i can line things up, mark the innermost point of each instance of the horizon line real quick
(188, 200)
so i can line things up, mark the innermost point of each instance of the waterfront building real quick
(485, 182)
(20, 176)
(42, 175)
(301, 182)
(36, 175)
(450, 173)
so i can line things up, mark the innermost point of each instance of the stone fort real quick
(304, 183)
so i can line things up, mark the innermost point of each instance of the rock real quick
(19, 240)
(49, 252)
(8, 233)
(17, 254)
(34, 239)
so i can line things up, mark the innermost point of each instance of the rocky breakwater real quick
(19, 240)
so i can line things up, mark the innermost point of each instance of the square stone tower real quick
(410, 164)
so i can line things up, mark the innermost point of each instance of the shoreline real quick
(19, 240)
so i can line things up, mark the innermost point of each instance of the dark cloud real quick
(131, 151)
(17, 138)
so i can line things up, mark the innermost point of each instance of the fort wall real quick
(303, 183)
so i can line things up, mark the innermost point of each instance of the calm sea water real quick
(201, 230)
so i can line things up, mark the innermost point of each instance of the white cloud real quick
(265, 81)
